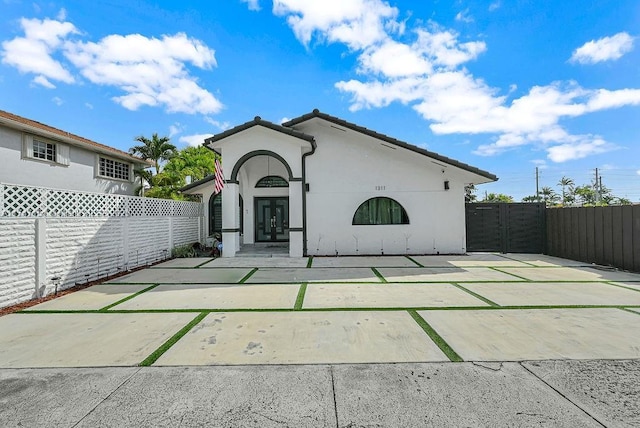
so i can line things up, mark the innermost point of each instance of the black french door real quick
(272, 219)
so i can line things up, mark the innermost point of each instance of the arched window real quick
(380, 211)
(272, 181)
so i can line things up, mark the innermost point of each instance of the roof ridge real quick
(62, 133)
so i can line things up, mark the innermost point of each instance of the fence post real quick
(170, 235)
(41, 256)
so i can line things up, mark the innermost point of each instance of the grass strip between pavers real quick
(516, 260)
(622, 286)
(309, 262)
(512, 274)
(415, 261)
(300, 298)
(247, 276)
(379, 275)
(128, 298)
(172, 341)
(629, 310)
(476, 295)
(204, 263)
(437, 339)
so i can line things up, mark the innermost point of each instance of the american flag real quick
(219, 181)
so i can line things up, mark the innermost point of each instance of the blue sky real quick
(504, 85)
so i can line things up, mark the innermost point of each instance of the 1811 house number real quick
(381, 187)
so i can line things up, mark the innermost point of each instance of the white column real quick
(295, 219)
(230, 214)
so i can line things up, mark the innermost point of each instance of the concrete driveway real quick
(481, 307)
(268, 342)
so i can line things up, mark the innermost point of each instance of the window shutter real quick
(62, 154)
(27, 146)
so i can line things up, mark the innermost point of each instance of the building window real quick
(42, 150)
(380, 211)
(272, 181)
(113, 169)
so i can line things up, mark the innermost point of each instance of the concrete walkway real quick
(381, 334)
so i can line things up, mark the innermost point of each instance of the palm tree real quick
(548, 195)
(565, 182)
(156, 149)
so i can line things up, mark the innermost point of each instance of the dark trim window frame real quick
(272, 181)
(380, 211)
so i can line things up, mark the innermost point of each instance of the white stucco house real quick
(35, 154)
(327, 186)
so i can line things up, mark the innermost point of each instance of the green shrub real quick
(183, 251)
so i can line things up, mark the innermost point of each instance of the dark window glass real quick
(272, 181)
(114, 169)
(380, 211)
(42, 150)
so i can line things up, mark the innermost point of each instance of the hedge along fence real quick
(603, 235)
(52, 238)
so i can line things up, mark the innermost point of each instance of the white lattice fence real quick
(28, 201)
(51, 238)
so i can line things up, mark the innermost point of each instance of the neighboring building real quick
(330, 187)
(35, 154)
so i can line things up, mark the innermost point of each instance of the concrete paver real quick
(542, 260)
(253, 262)
(303, 338)
(183, 262)
(607, 390)
(571, 274)
(560, 293)
(55, 397)
(271, 275)
(210, 296)
(84, 340)
(449, 395)
(293, 396)
(362, 261)
(387, 296)
(92, 298)
(184, 276)
(538, 334)
(444, 275)
(473, 259)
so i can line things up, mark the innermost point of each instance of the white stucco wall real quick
(349, 168)
(79, 175)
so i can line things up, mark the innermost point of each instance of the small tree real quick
(156, 149)
(566, 182)
(497, 197)
(549, 197)
(470, 193)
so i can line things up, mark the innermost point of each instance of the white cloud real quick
(57, 101)
(149, 71)
(175, 129)
(356, 23)
(42, 81)
(464, 16)
(638, 172)
(252, 4)
(604, 49)
(33, 52)
(194, 140)
(62, 14)
(428, 73)
(89, 106)
(284, 119)
(223, 126)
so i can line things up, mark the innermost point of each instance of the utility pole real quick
(597, 190)
(537, 190)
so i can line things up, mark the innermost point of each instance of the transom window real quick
(42, 150)
(380, 211)
(114, 169)
(272, 181)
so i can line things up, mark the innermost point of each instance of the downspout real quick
(304, 197)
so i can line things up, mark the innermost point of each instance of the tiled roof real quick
(16, 121)
(336, 120)
(259, 121)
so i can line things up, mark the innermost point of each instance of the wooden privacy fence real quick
(602, 235)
